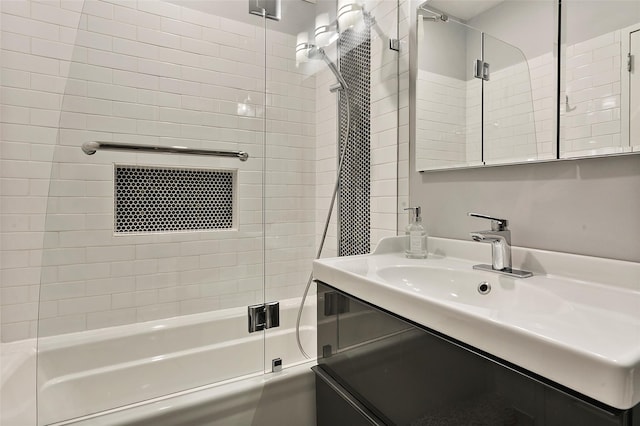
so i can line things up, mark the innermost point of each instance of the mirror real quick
(509, 131)
(600, 106)
(501, 114)
(516, 115)
(448, 98)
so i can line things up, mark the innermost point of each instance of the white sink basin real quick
(580, 333)
(461, 286)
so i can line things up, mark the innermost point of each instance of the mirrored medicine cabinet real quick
(516, 81)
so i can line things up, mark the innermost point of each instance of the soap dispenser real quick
(417, 242)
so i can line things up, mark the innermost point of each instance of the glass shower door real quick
(509, 133)
(154, 235)
(290, 215)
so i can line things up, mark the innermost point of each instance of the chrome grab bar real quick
(90, 148)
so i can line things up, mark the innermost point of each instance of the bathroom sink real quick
(472, 288)
(577, 314)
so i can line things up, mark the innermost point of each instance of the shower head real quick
(443, 18)
(435, 17)
(315, 52)
(431, 15)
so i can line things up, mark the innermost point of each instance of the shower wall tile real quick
(111, 318)
(326, 158)
(443, 136)
(17, 8)
(15, 295)
(24, 25)
(157, 73)
(20, 312)
(590, 121)
(384, 122)
(589, 113)
(590, 117)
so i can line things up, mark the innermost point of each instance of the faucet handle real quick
(496, 224)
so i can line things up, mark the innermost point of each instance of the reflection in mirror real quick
(448, 99)
(601, 84)
(530, 26)
(631, 87)
(509, 115)
(509, 127)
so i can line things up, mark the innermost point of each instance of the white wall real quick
(162, 73)
(385, 120)
(588, 20)
(591, 115)
(442, 48)
(32, 89)
(404, 19)
(589, 206)
(327, 164)
(447, 96)
(515, 21)
(441, 102)
(509, 127)
(140, 75)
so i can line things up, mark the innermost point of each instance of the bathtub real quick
(18, 383)
(192, 370)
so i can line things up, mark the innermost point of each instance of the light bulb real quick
(302, 47)
(349, 14)
(325, 35)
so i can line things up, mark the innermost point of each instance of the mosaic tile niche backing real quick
(153, 199)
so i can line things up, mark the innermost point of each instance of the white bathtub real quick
(149, 371)
(18, 383)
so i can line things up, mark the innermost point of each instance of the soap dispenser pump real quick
(417, 241)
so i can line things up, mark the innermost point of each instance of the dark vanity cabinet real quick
(375, 368)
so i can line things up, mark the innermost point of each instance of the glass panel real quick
(448, 97)
(129, 316)
(598, 98)
(509, 124)
(326, 79)
(290, 181)
(631, 94)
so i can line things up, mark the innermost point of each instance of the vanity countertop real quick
(576, 321)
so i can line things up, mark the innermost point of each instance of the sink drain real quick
(484, 287)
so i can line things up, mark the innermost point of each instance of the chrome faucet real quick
(500, 239)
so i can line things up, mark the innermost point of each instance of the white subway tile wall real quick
(449, 131)
(153, 72)
(385, 122)
(590, 111)
(326, 164)
(509, 127)
(290, 201)
(590, 121)
(402, 184)
(441, 102)
(543, 89)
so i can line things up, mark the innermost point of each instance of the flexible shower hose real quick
(326, 223)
